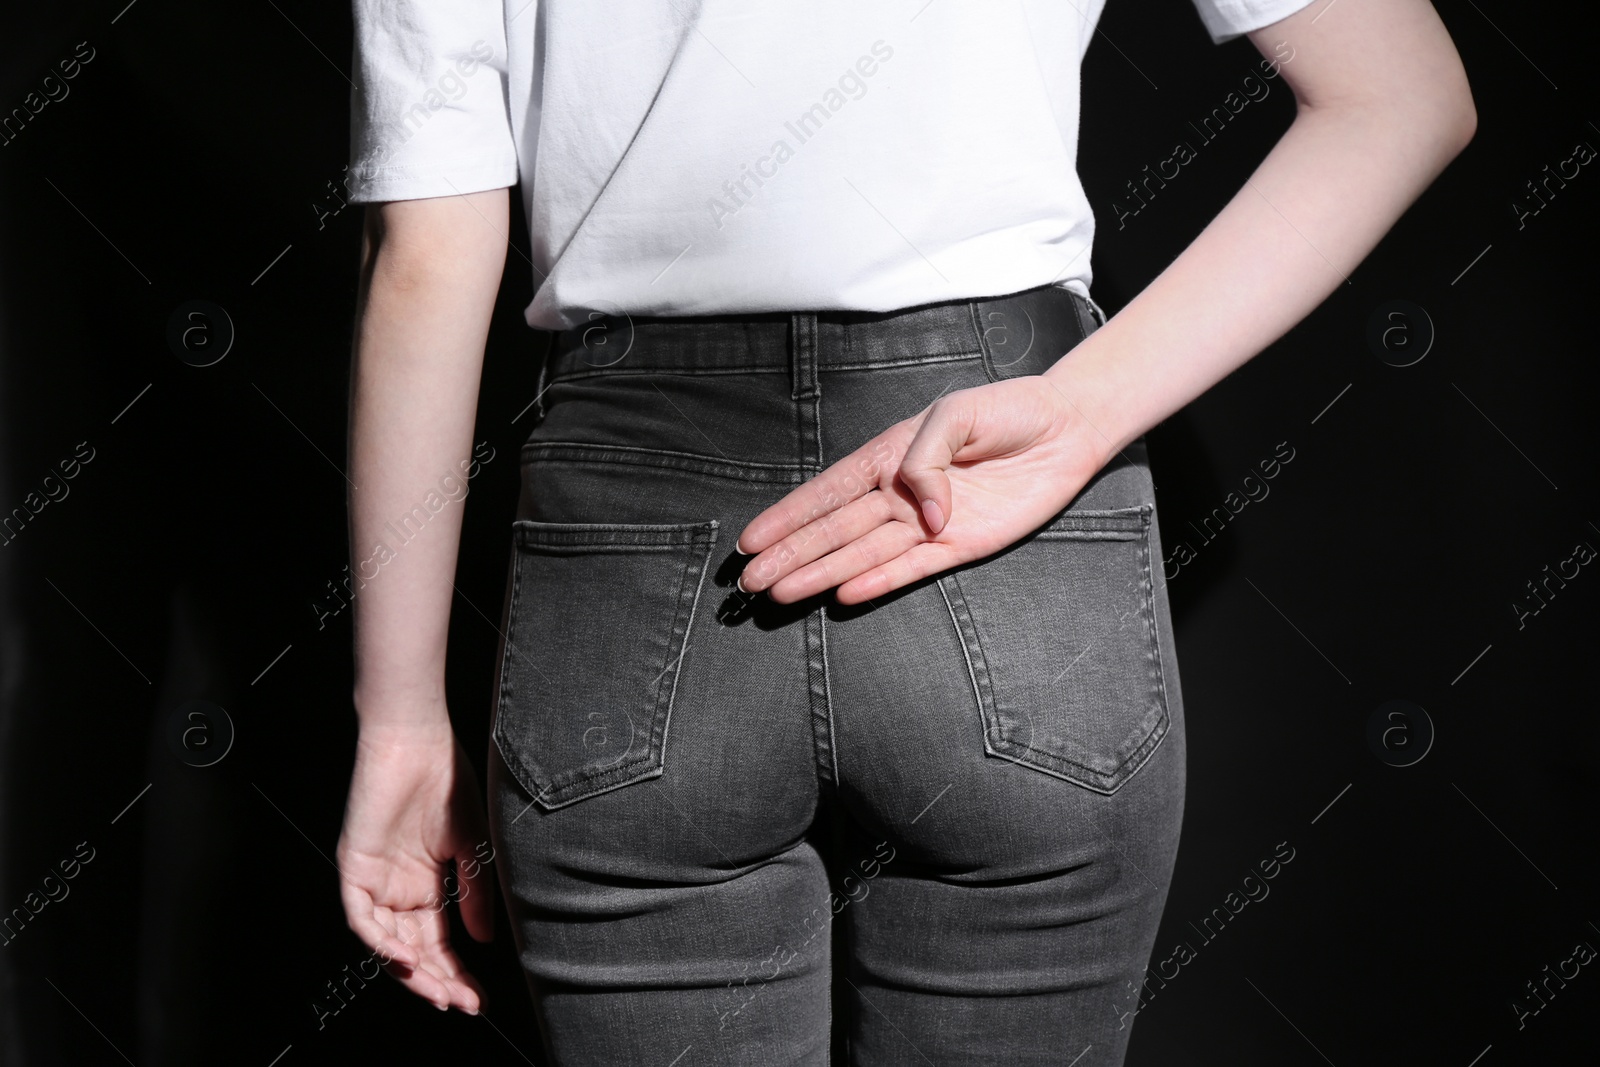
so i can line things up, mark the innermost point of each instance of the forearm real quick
(430, 274)
(1319, 202)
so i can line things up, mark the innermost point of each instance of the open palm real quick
(973, 472)
(413, 808)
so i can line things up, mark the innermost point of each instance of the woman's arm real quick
(1383, 106)
(430, 273)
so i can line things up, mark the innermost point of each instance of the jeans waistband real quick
(1000, 328)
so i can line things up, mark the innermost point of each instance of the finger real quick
(912, 565)
(429, 986)
(855, 475)
(816, 539)
(440, 960)
(923, 470)
(874, 549)
(456, 986)
(423, 983)
(469, 995)
(420, 977)
(437, 976)
(361, 916)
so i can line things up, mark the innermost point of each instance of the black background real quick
(1383, 565)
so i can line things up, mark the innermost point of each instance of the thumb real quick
(924, 469)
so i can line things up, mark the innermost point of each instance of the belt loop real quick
(803, 356)
(1098, 312)
(978, 311)
(544, 374)
(1087, 314)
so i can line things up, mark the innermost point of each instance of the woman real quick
(835, 671)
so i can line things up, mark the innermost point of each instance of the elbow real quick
(1439, 131)
(1469, 124)
(1438, 126)
(1435, 128)
(1459, 123)
(1449, 112)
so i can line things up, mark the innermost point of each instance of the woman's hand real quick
(413, 807)
(975, 471)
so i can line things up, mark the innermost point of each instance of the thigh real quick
(1010, 740)
(637, 947)
(653, 780)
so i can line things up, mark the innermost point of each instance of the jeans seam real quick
(816, 433)
(806, 393)
(806, 388)
(817, 697)
(831, 771)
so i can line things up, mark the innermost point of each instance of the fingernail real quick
(935, 517)
(741, 551)
(739, 584)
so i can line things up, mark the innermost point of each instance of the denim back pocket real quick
(1061, 642)
(598, 625)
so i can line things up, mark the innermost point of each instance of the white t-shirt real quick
(694, 157)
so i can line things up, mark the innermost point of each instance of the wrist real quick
(406, 750)
(1098, 415)
(413, 713)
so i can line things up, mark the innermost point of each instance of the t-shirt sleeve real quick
(428, 114)
(1227, 19)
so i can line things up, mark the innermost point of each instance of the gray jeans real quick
(934, 829)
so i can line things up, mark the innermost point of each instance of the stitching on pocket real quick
(1111, 524)
(683, 644)
(967, 649)
(575, 452)
(1147, 596)
(566, 539)
(977, 669)
(899, 361)
(1119, 524)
